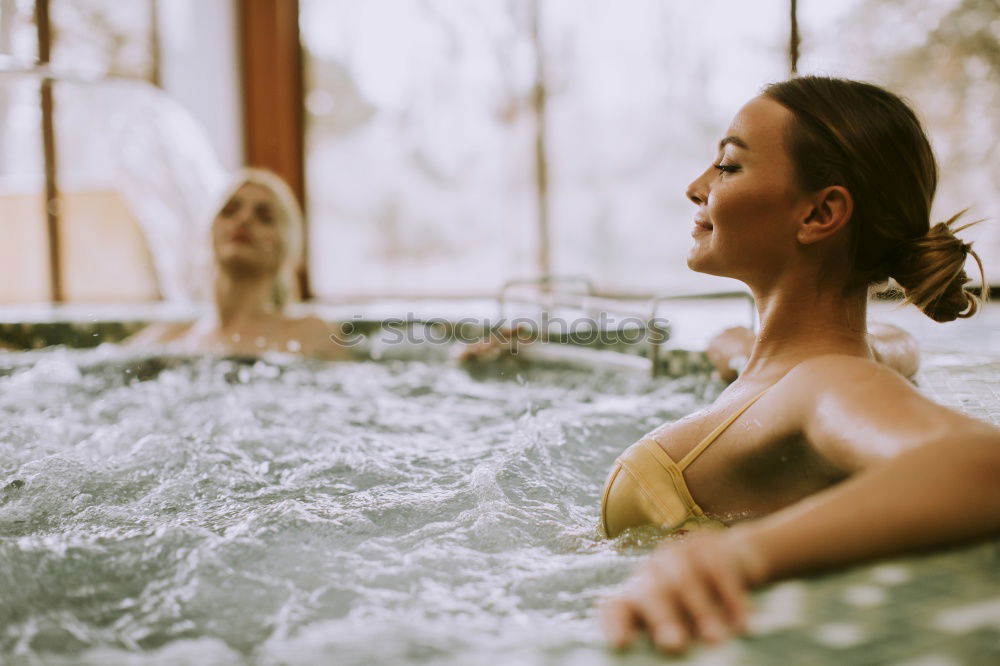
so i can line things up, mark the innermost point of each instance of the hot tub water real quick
(225, 511)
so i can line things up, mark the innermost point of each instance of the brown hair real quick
(868, 140)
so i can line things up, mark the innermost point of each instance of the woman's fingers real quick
(700, 604)
(646, 605)
(692, 573)
(664, 622)
(619, 622)
(686, 591)
(732, 594)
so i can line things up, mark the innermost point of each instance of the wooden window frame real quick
(273, 99)
(51, 200)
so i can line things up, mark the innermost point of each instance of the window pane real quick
(18, 35)
(419, 145)
(944, 56)
(641, 94)
(138, 181)
(24, 252)
(103, 250)
(103, 36)
(421, 135)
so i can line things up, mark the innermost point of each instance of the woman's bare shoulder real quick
(315, 338)
(839, 370)
(856, 411)
(862, 386)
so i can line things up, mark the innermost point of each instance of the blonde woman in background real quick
(256, 247)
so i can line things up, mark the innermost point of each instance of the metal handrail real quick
(656, 341)
(659, 330)
(554, 298)
(545, 281)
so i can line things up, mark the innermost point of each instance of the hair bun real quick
(931, 271)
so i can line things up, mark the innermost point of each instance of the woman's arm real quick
(924, 476)
(937, 494)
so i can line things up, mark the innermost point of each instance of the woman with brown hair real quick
(822, 187)
(256, 246)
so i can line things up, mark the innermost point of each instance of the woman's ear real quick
(831, 209)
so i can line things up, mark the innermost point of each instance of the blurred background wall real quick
(440, 147)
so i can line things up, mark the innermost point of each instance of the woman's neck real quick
(242, 300)
(799, 322)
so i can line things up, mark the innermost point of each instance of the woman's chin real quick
(696, 262)
(699, 263)
(240, 263)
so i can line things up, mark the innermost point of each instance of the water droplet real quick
(865, 595)
(890, 574)
(839, 634)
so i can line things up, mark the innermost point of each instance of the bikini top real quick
(646, 487)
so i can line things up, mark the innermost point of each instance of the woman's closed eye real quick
(264, 214)
(727, 168)
(230, 209)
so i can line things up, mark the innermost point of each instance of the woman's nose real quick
(697, 191)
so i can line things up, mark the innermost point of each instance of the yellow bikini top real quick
(646, 487)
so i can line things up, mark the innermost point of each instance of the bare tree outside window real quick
(944, 56)
(435, 127)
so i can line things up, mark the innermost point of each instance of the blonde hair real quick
(288, 214)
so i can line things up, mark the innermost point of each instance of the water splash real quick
(154, 508)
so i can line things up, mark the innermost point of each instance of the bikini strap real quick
(714, 435)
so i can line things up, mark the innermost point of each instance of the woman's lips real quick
(701, 226)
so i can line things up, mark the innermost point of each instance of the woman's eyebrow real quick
(735, 140)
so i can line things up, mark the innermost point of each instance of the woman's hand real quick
(894, 347)
(729, 350)
(486, 351)
(497, 346)
(689, 590)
